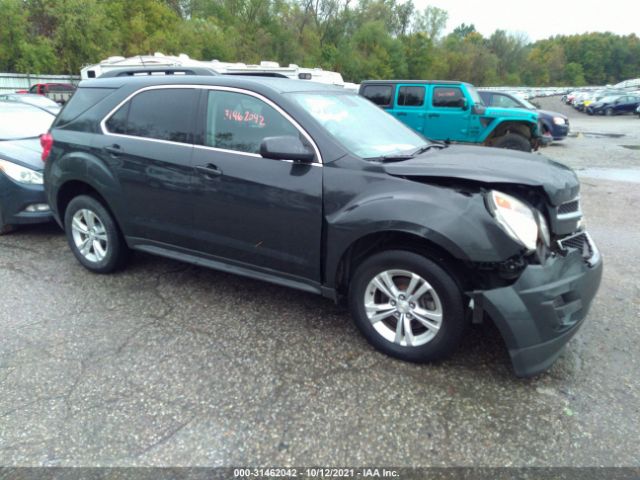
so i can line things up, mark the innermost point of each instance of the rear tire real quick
(94, 236)
(513, 141)
(420, 318)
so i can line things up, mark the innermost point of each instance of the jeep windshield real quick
(477, 99)
(361, 127)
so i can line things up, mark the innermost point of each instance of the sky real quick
(542, 19)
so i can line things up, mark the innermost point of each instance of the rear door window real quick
(160, 114)
(448, 97)
(381, 95)
(411, 96)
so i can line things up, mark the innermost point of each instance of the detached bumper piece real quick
(545, 307)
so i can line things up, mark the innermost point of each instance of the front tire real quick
(513, 141)
(608, 112)
(93, 235)
(4, 228)
(407, 306)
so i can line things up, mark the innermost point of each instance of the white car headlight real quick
(516, 218)
(21, 174)
(559, 120)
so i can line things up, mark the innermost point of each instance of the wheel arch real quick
(73, 188)
(375, 242)
(82, 173)
(508, 126)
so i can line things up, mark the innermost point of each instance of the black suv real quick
(316, 188)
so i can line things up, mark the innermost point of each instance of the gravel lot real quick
(170, 364)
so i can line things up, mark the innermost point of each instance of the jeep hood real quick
(514, 113)
(492, 166)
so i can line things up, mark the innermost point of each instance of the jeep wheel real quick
(608, 112)
(513, 141)
(407, 306)
(93, 235)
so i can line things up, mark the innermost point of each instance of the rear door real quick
(148, 142)
(447, 117)
(410, 105)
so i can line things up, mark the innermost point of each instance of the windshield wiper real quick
(396, 157)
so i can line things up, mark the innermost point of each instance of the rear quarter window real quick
(381, 95)
(81, 101)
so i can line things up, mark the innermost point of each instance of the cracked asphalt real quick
(170, 364)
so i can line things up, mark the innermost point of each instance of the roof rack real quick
(148, 71)
(257, 74)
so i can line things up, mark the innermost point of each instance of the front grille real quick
(582, 242)
(569, 207)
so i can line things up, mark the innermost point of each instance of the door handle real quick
(433, 115)
(115, 150)
(209, 170)
(401, 114)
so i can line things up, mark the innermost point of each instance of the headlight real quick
(543, 226)
(21, 174)
(558, 120)
(516, 218)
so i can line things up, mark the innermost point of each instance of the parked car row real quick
(604, 102)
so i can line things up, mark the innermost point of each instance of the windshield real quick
(27, 122)
(362, 127)
(477, 99)
(527, 104)
(609, 99)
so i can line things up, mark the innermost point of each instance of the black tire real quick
(4, 228)
(116, 251)
(608, 112)
(513, 141)
(444, 341)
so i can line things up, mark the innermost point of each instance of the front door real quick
(253, 211)
(448, 116)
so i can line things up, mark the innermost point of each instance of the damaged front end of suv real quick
(548, 269)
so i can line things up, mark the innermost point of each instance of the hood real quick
(27, 153)
(492, 166)
(552, 114)
(531, 115)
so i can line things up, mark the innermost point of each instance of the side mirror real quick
(286, 148)
(478, 109)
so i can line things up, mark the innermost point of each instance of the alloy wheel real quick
(89, 235)
(403, 308)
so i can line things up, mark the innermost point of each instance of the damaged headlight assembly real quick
(521, 222)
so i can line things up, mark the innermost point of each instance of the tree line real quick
(359, 38)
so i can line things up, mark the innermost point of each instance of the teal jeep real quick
(454, 112)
